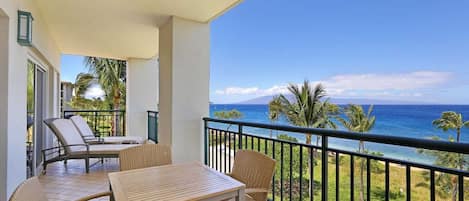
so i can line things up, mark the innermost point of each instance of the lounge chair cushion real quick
(103, 149)
(68, 134)
(82, 126)
(85, 130)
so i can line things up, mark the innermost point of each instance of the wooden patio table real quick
(188, 181)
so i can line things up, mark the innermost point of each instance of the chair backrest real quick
(81, 125)
(143, 156)
(29, 190)
(255, 170)
(66, 133)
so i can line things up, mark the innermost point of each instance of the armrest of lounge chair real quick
(58, 149)
(94, 196)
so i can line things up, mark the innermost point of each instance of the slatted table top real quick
(188, 181)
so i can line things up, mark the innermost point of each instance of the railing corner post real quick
(205, 142)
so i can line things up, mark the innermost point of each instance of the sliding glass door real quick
(35, 115)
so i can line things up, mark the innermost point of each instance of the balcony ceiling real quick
(120, 28)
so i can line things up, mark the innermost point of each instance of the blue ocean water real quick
(397, 120)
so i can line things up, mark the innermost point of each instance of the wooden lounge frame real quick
(63, 153)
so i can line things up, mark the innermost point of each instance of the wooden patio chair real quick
(72, 145)
(90, 137)
(31, 190)
(256, 171)
(147, 155)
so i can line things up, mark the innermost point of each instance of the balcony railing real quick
(153, 126)
(338, 177)
(102, 122)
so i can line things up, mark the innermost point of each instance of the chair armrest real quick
(256, 190)
(94, 196)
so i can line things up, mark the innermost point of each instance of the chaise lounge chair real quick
(72, 145)
(88, 135)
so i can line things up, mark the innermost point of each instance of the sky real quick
(388, 50)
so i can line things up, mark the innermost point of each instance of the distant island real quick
(263, 100)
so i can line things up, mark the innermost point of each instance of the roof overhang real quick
(120, 28)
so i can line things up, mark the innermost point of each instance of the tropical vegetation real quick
(448, 121)
(308, 108)
(110, 76)
(358, 121)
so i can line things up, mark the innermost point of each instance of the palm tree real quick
(450, 120)
(83, 82)
(359, 121)
(111, 75)
(274, 111)
(307, 109)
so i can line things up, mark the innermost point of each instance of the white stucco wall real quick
(13, 90)
(184, 87)
(4, 27)
(142, 94)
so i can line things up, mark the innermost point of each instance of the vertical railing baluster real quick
(324, 147)
(258, 144)
(205, 143)
(460, 187)
(407, 182)
(265, 146)
(246, 142)
(311, 174)
(291, 172)
(229, 151)
(224, 151)
(352, 178)
(216, 149)
(368, 179)
(252, 142)
(432, 185)
(281, 170)
(273, 179)
(337, 174)
(301, 172)
(386, 185)
(96, 121)
(240, 132)
(212, 161)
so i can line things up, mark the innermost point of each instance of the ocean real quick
(396, 120)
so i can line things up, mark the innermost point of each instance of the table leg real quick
(240, 196)
(111, 197)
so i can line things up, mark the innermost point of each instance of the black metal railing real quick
(322, 172)
(153, 126)
(102, 122)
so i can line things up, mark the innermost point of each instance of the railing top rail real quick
(462, 148)
(151, 111)
(65, 111)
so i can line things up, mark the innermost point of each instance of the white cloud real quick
(402, 81)
(238, 91)
(362, 85)
(94, 92)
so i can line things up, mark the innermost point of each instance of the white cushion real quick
(68, 134)
(82, 126)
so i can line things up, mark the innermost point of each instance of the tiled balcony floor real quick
(70, 182)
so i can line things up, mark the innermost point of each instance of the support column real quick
(184, 48)
(142, 94)
(3, 104)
